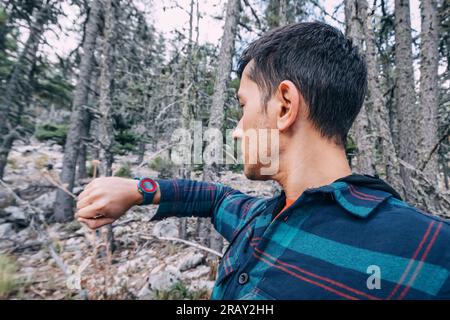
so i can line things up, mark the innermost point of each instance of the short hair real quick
(324, 66)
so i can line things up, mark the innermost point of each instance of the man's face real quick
(258, 141)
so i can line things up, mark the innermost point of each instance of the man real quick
(331, 234)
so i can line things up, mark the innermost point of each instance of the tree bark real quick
(429, 88)
(216, 119)
(361, 131)
(405, 95)
(63, 207)
(105, 130)
(186, 112)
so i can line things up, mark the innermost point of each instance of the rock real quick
(56, 147)
(146, 294)
(191, 261)
(166, 228)
(45, 202)
(200, 284)
(6, 230)
(201, 271)
(165, 280)
(26, 149)
(38, 257)
(6, 199)
(12, 211)
(121, 230)
(16, 216)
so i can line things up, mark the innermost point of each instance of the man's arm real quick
(106, 199)
(228, 208)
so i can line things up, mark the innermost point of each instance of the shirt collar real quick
(358, 194)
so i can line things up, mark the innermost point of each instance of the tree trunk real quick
(361, 131)
(81, 167)
(186, 112)
(429, 89)
(18, 90)
(405, 95)
(63, 206)
(216, 117)
(105, 130)
(386, 164)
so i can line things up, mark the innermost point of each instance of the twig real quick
(254, 14)
(192, 244)
(154, 155)
(435, 148)
(50, 179)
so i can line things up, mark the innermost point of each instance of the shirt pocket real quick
(257, 294)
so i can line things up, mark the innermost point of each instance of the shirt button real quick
(243, 278)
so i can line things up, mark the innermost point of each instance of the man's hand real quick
(105, 200)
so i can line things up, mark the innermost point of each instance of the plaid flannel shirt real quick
(352, 239)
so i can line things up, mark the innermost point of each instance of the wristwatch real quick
(147, 187)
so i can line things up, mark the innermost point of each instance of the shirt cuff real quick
(168, 194)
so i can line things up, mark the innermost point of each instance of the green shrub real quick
(7, 273)
(55, 132)
(165, 167)
(126, 141)
(181, 292)
(124, 171)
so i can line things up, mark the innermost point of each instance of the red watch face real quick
(148, 185)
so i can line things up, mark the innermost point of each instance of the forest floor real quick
(67, 261)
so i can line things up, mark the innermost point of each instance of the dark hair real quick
(323, 64)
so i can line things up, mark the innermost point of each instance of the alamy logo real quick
(374, 280)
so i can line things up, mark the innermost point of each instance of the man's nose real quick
(238, 131)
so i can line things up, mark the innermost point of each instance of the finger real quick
(82, 195)
(96, 223)
(90, 211)
(86, 200)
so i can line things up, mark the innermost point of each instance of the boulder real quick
(191, 261)
(197, 273)
(6, 199)
(45, 202)
(166, 228)
(164, 280)
(16, 216)
(6, 230)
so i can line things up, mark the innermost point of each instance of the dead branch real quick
(190, 243)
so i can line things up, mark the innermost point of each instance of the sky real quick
(171, 15)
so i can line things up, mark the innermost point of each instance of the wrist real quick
(138, 197)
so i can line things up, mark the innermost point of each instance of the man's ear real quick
(289, 104)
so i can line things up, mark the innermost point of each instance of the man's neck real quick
(311, 166)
